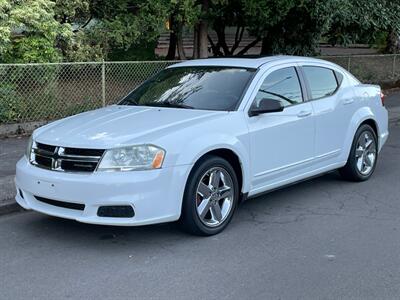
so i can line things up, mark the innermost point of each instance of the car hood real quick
(119, 125)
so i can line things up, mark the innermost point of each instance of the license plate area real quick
(46, 188)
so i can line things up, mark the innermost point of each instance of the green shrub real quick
(12, 106)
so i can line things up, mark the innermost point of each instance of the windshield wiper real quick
(127, 102)
(169, 104)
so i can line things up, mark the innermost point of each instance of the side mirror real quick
(266, 105)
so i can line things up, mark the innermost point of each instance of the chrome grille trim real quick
(42, 157)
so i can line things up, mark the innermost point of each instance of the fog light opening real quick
(116, 211)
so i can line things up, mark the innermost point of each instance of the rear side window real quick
(322, 81)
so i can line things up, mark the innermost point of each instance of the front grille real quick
(64, 158)
(45, 147)
(69, 205)
(84, 152)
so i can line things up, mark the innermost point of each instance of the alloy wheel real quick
(365, 153)
(214, 196)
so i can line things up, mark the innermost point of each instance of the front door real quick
(282, 143)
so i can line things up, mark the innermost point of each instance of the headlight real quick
(140, 157)
(29, 149)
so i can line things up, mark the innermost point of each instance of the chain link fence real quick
(43, 92)
(377, 69)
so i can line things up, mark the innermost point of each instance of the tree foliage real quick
(29, 31)
(295, 28)
(80, 30)
(76, 30)
(362, 21)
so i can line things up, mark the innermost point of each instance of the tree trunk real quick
(179, 45)
(172, 46)
(202, 34)
(214, 47)
(196, 41)
(393, 42)
(220, 31)
(203, 39)
(266, 46)
(172, 39)
(248, 47)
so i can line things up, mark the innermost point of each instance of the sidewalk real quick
(12, 149)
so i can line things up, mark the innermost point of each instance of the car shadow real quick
(70, 231)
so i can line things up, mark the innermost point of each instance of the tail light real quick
(383, 98)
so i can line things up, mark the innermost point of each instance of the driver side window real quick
(282, 85)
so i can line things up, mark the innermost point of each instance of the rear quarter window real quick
(322, 81)
(339, 77)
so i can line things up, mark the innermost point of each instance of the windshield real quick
(209, 88)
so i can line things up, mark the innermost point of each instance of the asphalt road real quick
(324, 238)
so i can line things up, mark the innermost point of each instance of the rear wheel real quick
(211, 196)
(363, 155)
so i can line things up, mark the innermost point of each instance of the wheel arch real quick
(361, 117)
(235, 158)
(371, 122)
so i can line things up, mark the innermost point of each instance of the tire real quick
(361, 155)
(211, 184)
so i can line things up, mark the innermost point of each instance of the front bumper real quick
(155, 196)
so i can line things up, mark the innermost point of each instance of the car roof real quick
(246, 62)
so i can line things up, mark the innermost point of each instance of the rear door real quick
(333, 108)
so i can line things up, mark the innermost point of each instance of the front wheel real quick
(363, 155)
(211, 196)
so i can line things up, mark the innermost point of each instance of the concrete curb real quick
(10, 206)
(7, 194)
(17, 129)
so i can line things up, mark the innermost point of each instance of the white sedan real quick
(199, 137)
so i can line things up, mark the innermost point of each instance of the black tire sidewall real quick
(352, 161)
(189, 216)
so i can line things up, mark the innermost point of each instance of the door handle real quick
(304, 113)
(348, 101)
